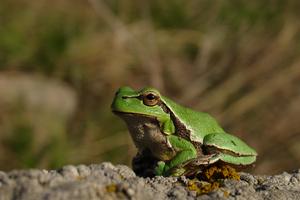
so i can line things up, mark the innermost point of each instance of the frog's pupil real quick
(150, 96)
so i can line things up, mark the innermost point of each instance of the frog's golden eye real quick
(150, 99)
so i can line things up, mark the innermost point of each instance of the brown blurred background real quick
(62, 61)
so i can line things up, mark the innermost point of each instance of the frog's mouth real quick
(136, 120)
(133, 115)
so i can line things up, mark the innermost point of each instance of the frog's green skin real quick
(179, 137)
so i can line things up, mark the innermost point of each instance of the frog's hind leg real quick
(200, 164)
(229, 149)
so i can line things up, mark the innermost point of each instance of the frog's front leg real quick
(184, 151)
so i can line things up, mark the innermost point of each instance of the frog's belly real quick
(146, 134)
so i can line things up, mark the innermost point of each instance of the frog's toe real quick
(176, 172)
(196, 165)
(202, 161)
(206, 159)
(160, 168)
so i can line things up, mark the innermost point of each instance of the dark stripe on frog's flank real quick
(180, 128)
(212, 149)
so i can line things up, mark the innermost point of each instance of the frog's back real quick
(199, 124)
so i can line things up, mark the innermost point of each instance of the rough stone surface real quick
(106, 181)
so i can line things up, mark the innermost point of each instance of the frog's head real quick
(146, 102)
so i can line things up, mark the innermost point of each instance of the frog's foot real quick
(160, 168)
(205, 160)
(177, 172)
(197, 165)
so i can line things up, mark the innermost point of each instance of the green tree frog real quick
(179, 139)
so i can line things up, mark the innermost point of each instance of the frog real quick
(180, 140)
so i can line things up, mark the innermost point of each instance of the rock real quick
(106, 181)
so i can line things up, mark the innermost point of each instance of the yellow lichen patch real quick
(220, 172)
(230, 172)
(111, 188)
(226, 193)
(201, 187)
(211, 178)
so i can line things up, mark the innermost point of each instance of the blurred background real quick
(62, 61)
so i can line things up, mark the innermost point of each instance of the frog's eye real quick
(150, 99)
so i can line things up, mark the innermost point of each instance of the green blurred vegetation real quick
(61, 62)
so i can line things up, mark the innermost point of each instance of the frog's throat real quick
(146, 134)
